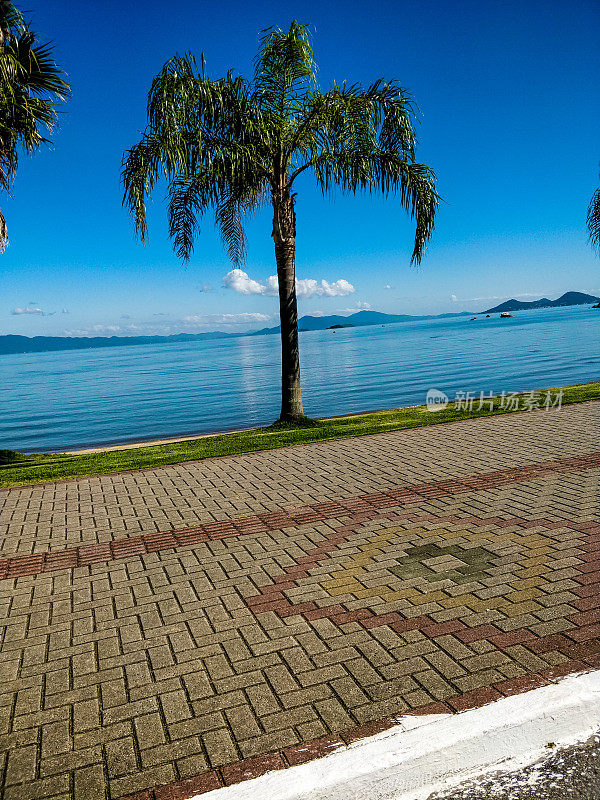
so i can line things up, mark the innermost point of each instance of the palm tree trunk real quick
(284, 235)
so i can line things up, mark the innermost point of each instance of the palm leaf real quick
(593, 219)
(31, 84)
(3, 233)
(226, 144)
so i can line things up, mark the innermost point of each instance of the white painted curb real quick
(425, 754)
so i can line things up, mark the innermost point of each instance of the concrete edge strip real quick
(433, 743)
(86, 555)
(420, 756)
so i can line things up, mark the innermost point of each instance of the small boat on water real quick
(505, 314)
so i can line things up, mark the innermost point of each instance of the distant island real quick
(38, 344)
(360, 319)
(567, 299)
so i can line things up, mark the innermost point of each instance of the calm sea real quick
(60, 400)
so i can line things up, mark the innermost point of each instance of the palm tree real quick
(30, 84)
(235, 146)
(593, 219)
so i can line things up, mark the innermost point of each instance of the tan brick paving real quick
(204, 663)
(55, 515)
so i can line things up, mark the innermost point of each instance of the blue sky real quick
(510, 116)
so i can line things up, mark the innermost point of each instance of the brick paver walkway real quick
(171, 630)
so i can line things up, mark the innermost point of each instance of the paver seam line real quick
(60, 481)
(255, 766)
(570, 643)
(87, 554)
(22, 566)
(272, 598)
(51, 561)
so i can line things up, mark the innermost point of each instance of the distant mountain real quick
(567, 299)
(360, 319)
(39, 344)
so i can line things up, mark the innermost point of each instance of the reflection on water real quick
(72, 399)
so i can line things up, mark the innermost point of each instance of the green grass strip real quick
(17, 469)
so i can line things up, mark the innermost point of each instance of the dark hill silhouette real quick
(567, 299)
(360, 319)
(38, 344)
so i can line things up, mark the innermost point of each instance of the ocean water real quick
(70, 399)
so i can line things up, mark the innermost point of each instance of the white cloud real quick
(28, 310)
(360, 306)
(245, 317)
(307, 287)
(241, 282)
(226, 319)
(273, 285)
(455, 299)
(195, 319)
(102, 330)
(95, 330)
(193, 323)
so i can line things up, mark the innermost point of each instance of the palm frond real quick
(227, 144)
(593, 219)
(3, 233)
(208, 140)
(229, 215)
(284, 69)
(42, 76)
(363, 140)
(140, 169)
(11, 20)
(188, 200)
(31, 85)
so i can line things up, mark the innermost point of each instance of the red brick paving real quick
(85, 555)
